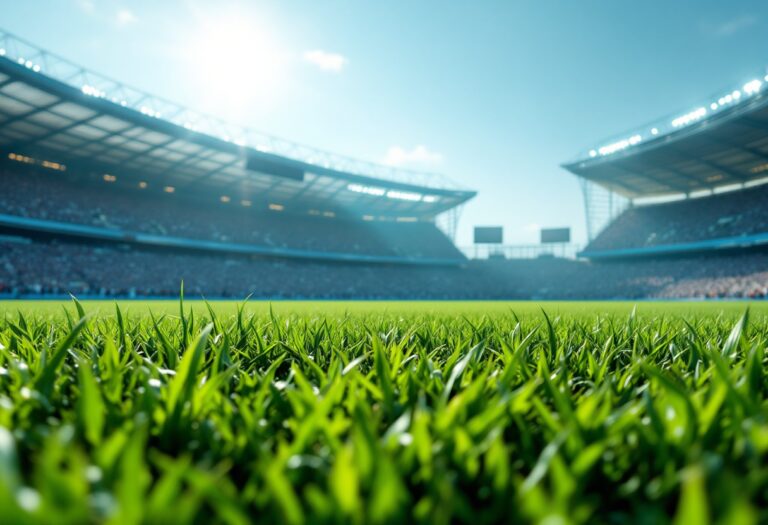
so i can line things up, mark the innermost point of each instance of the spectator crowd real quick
(66, 198)
(44, 265)
(121, 270)
(730, 214)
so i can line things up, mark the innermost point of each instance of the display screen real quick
(488, 234)
(262, 163)
(551, 235)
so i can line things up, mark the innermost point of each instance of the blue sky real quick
(495, 94)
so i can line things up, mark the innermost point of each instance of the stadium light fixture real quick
(752, 87)
(749, 89)
(329, 214)
(21, 158)
(149, 112)
(403, 195)
(686, 119)
(53, 165)
(109, 178)
(246, 203)
(276, 207)
(368, 217)
(756, 182)
(92, 91)
(169, 189)
(142, 185)
(619, 145)
(224, 198)
(368, 190)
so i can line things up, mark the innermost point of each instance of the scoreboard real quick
(555, 235)
(489, 234)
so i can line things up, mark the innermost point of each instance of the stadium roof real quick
(55, 110)
(720, 143)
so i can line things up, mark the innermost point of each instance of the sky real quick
(493, 94)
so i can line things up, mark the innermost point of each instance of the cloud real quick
(325, 60)
(125, 17)
(86, 6)
(397, 156)
(732, 26)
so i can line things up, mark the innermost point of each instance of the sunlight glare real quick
(236, 64)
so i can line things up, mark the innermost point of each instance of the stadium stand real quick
(94, 202)
(709, 166)
(58, 267)
(720, 216)
(54, 267)
(87, 158)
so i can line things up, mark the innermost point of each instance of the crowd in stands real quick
(43, 265)
(29, 268)
(56, 268)
(730, 214)
(711, 276)
(54, 196)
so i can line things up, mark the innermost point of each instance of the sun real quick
(237, 65)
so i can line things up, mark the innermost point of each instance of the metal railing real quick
(94, 84)
(737, 96)
(521, 251)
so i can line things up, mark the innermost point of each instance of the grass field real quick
(383, 412)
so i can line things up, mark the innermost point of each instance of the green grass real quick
(320, 412)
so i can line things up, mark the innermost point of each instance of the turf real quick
(382, 412)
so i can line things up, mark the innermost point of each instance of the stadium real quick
(98, 174)
(205, 323)
(94, 177)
